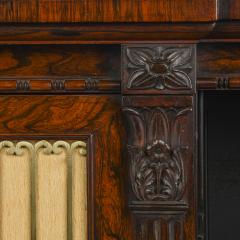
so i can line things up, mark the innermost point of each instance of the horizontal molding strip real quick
(59, 84)
(96, 85)
(118, 33)
(218, 83)
(158, 206)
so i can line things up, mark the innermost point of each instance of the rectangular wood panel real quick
(158, 68)
(61, 60)
(218, 66)
(46, 68)
(95, 119)
(107, 11)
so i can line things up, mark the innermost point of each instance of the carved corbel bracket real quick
(158, 107)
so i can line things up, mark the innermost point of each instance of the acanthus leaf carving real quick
(157, 168)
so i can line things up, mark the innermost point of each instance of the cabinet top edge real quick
(118, 33)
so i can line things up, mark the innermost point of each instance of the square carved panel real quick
(158, 68)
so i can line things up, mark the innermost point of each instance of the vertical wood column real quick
(159, 112)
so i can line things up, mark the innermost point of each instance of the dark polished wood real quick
(229, 9)
(218, 60)
(109, 33)
(158, 68)
(161, 163)
(124, 76)
(218, 66)
(160, 138)
(60, 60)
(60, 68)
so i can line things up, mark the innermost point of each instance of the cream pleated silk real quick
(43, 190)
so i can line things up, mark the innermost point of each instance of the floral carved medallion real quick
(157, 166)
(158, 67)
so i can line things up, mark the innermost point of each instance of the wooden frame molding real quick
(109, 33)
(59, 85)
(36, 117)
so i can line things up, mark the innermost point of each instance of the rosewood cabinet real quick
(112, 123)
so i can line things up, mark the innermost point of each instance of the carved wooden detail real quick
(223, 83)
(158, 67)
(22, 85)
(218, 83)
(166, 226)
(59, 84)
(51, 167)
(157, 170)
(160, 160)
(16, 149)
(91, 84)
(95, 119)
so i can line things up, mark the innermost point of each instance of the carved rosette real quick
(158, 67)
(157, 169)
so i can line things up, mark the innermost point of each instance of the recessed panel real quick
(15, 189)
(44, 187)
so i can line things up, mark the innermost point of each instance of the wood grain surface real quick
(97, 117)
(107, 11)
(218, 66)
(60, 68)
(218, 59)
(60, 60)
(116, 33)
